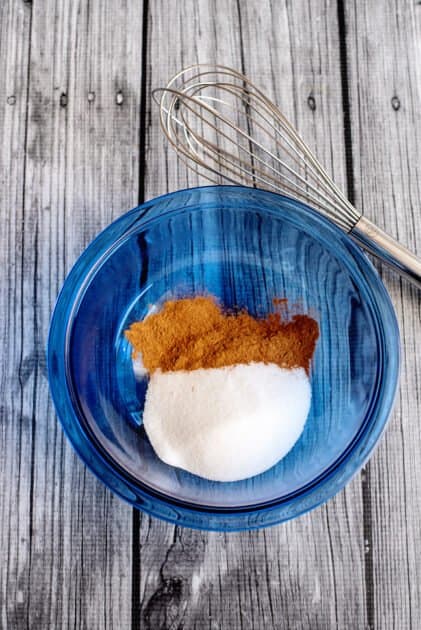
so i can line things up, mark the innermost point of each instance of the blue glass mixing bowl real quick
(245, 246)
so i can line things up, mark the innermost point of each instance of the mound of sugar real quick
(229, 423)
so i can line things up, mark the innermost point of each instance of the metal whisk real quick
(225, 128)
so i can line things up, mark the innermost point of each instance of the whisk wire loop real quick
(225, 128)
(266, 150)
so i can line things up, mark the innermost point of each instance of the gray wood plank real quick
(67, 542)
(384, 52)
(308, 573)
(15, 427)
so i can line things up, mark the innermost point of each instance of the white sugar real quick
(228, 423)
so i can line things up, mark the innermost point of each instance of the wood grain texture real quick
(15, 426)
(68, 541)
(260, 579)
(384, 53)
(72, 151)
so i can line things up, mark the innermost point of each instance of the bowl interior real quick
(246, 248)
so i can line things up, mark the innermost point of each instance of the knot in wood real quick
(311, 102)
(396, 104)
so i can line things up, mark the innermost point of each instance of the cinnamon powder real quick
(193, 333)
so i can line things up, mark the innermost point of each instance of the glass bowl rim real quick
(320, 489)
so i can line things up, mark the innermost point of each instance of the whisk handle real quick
(377, 242)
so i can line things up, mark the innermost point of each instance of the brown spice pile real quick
(194, 333)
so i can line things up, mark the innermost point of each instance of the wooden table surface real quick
(80, 145)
